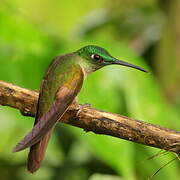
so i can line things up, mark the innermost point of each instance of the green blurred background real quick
(143, 32)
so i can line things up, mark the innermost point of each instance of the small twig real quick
(169, 162)
(99, 122)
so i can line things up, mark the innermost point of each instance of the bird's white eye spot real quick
(96, 57)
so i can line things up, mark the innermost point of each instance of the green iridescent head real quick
(98, 57)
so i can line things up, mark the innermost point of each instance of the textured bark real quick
(99, 122)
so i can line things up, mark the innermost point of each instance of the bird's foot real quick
(82, 106)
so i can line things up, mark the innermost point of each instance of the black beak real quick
(122, 63)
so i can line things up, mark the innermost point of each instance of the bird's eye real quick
(96, 57)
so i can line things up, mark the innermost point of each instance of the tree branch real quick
(99, 122)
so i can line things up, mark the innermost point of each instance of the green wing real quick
(63, 98)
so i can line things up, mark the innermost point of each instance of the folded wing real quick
(64, 97)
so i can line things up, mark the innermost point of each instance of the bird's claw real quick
(82, 106)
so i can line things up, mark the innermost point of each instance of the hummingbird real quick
(60, 85)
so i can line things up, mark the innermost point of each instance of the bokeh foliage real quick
(143, 32)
